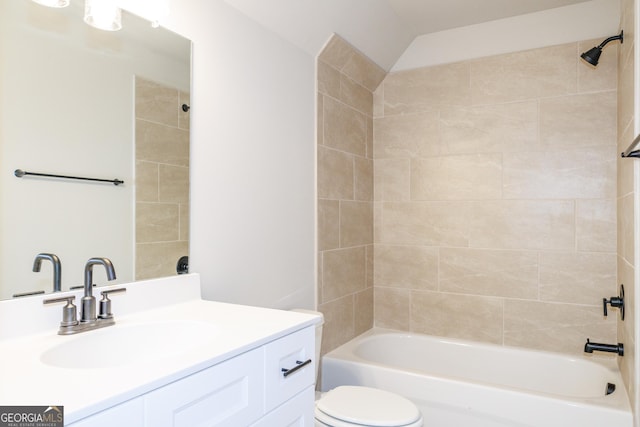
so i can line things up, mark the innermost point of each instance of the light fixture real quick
(107, 14)
(103, 14)
(53, 3)
(593, 55)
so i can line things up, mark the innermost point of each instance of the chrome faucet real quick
(88, 308)
(57, 268)
(88, 319)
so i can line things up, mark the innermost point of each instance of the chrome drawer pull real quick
(286, 372)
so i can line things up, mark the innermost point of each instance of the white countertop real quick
(27, 380)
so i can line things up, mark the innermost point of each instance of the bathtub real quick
(458, 383)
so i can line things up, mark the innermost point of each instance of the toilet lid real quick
(368, 406)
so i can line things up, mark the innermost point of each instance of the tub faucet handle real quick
(617, 302)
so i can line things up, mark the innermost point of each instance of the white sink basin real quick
(125, 344)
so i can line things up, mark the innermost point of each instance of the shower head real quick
(593, 55)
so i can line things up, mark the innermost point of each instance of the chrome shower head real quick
(593, 55)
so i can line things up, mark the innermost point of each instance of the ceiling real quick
(429, 16)
(384, 29)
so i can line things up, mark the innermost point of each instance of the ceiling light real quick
(103, 14)
(53, 3)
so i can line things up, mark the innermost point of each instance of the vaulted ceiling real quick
(382, 29)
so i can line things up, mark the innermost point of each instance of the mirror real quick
(83, 102)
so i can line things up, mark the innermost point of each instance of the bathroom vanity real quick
(172, 359)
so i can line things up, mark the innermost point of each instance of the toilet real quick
(357, 406)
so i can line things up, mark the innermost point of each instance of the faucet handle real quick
(105, 303)
(69, 311)
(617, 302)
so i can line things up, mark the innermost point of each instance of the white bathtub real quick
(459, 383)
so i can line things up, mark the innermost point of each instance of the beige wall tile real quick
(626, 214)
(523, 225)
(364, 71)
(412, 267)
(146, 181)
(320, 281)
(328, 224)
(627, 332)
(344, 272)
(377, 222)
(157, 103)
(522, 75)
(338, 325)
(596, 225)
(363, 316)
(426, 223)
(370, 265)
(335, 174)
(602, 77)
(378, 102)
(157, 222)
(328, 80)
(578, 121)
(457, 316)
(512, 274)
(412, 135)
(392, 180)
(173, 184)
(490, 128)
(344, 128)
(427, 89)
(363, 169)
(356, 96)
(155, 260)
(626, 329)
(625, 87)
(161, 144)
(337, 52)
(555, 327)
(587, 173)
(184, 221)
(184, 117)
(392, 308)
(460, 177)
(320, 120)
(625, 166)
(577, 278)
(356, 223)
(369, 138)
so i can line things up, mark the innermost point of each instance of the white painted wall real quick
(370, 25)
(590, 20)
(252, 158)
(53, 87)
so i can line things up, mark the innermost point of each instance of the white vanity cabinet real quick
(249, 389)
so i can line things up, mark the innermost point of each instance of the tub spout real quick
(590, 347)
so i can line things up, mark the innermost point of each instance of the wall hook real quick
(186, 107)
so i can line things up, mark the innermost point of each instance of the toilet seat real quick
(348, 406)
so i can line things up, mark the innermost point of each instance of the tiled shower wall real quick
(625, 198)
(162, 179)
(495, 199)
(346, 79)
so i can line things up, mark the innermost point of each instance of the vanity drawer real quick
(227, 394)
(286, 353)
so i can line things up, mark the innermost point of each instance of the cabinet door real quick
(130, 413)
(296, 412)
(287, 353)
(228, 394)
